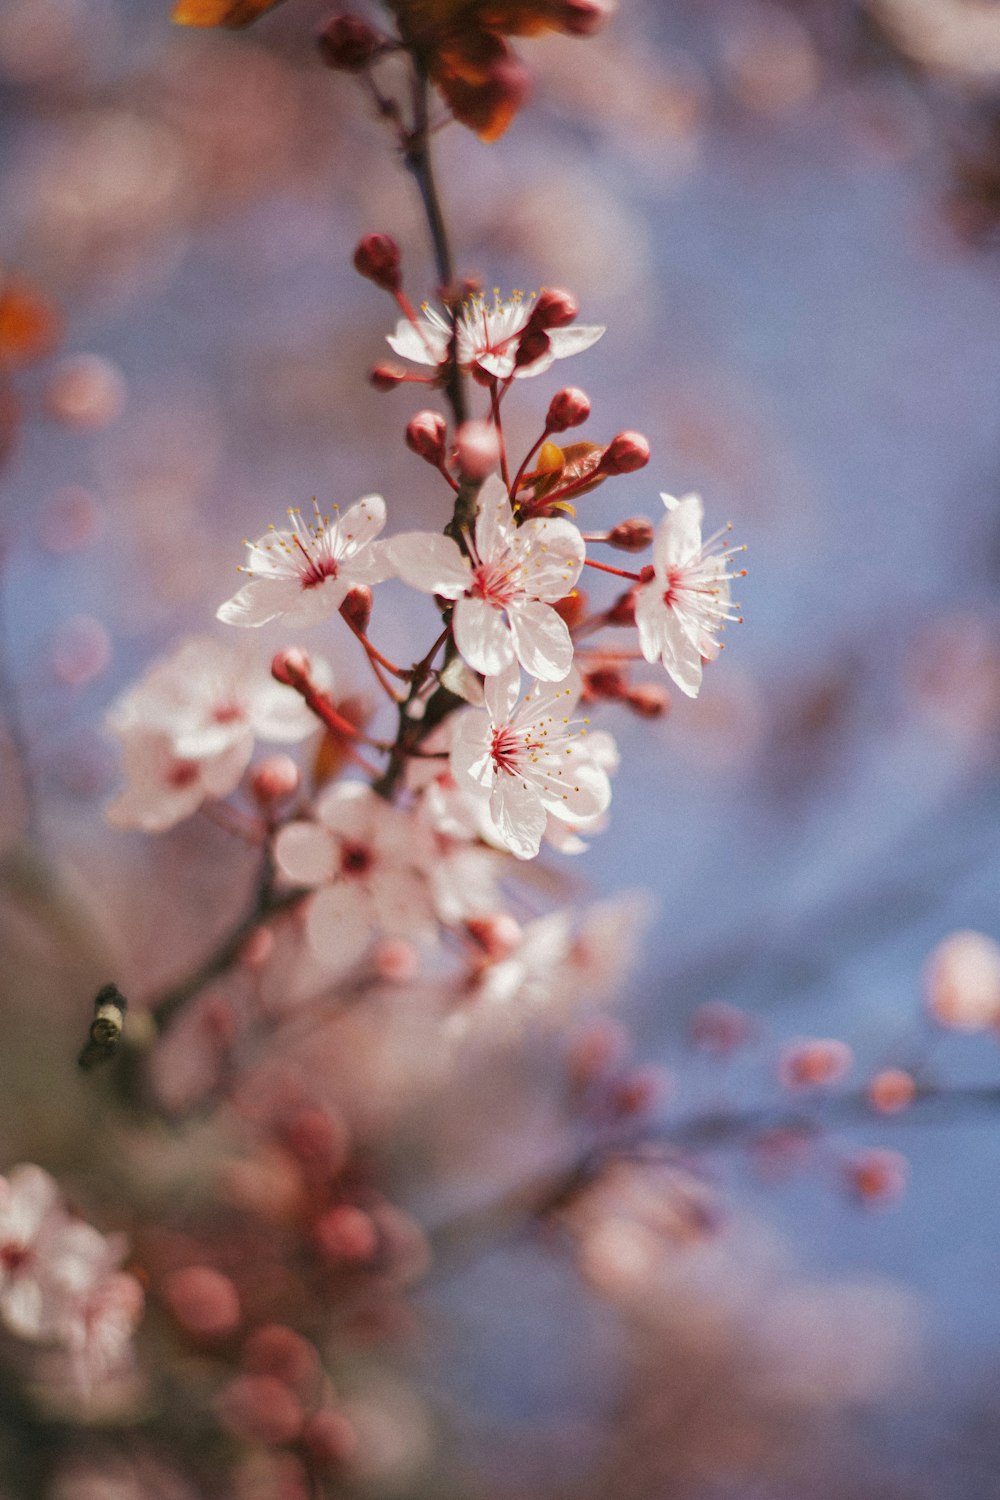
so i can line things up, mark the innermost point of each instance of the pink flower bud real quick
(477, 449)
(260, 1409)
(329, 1439)
(568, 408)
(426, 435)
(891, 1091)
(638, 1092)
(633, 535)
(962, 982)
(377, 258)
(85, 391)
(583, 17)
(594, 1050)
(258, 948)
(499, 934)
(386, 376)
(624, 454)
(274, 779)
(553, 308)
(204, 1302)
(622, 612)
(291, 667)
(347, 1233)
(348, 43)
(815, 1063)
(650, 700)
(533, 345)
(316, 1140)
(718, 1027)
(396, 960)
(877, 1177)
(279, 1351)
(357, 607)
(606, 682)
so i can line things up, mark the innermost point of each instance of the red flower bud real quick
(291, 666)
(568, 408)
(426, 434)
(387, 376)
(329, 1438)
(633, 535)
(274, 779)
(606, 682)
(553, 308)
(357, 607)
(533, 345)
(622, 612)
(572, 608)
(624, 454)
(377, 258)
(650, 700)
(348, 44)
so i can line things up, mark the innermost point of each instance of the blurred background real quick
(787, 215)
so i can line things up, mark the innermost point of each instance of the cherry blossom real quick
(488, 336)
(368, 861)
(304, 574)
(505, 592)
(188, 731)
(58, 1275)
(530, 759)
(682, 608)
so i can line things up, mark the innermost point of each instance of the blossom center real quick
(491, 583)
(13, 1257)
(355, 860)
(317, 568)
(227, 713)
(181, 774)
(505, 749)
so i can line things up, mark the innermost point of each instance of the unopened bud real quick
(877, 1177)
(499, 935)
(274, 779)
(638, 1092)
(386, 376)
(426, 434)
(329, 1439)
(650, 700)
(477, 449)
(718, 1027)
(624, 454)
(622, 612)
(553, 308)
(633, 535)
(377, 258)
(532, 346)
(347, 1233)
(348, 43)
(357, 607)
(572, 608)
(291, 666)
(891, 1091)
(815, 1063)
(583, 17)
(606, 682)
(568, 408)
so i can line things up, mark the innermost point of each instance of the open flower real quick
(530, 759)
(188, 731)
(504, 594)
(681, 610)
(304, 574)
(367, 860)
(488, 336)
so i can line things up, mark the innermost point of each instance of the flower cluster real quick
(61, 1283)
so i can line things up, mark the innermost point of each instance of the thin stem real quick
(419, 163)
(607, 568)
(498, 424)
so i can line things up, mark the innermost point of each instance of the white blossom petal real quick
(482, 636)
(542, 641)
(430, 562)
